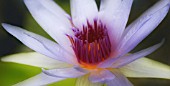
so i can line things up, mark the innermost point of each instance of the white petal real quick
(54, 8)
(121, 61)
(119, 80)
(40, 44)
(52, 19)
(101, 76)
(72, 72)
(35, 59)
(143, 26)
(108, 5)
(39, 80)
(146, 68)
(84, 81)
(115, 14)
(83, 10)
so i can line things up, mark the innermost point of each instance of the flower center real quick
(92, 44)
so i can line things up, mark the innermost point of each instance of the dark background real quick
(14, 12)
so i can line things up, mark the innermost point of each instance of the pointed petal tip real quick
(7, 59)
(3, 60)
(5, 25)
(163, 41)
(160, 44)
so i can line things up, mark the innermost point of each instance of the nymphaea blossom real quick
(93, 44)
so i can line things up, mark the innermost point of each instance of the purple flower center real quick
(91, 44)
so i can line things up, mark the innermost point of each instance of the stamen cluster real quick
(91, 44)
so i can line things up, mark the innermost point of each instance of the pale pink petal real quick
(143, 26)
(39, 80)
(83, 10)
(40, 44)
(52, 19)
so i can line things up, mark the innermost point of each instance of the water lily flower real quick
(93, 44)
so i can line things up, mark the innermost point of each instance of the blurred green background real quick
(14, 12)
